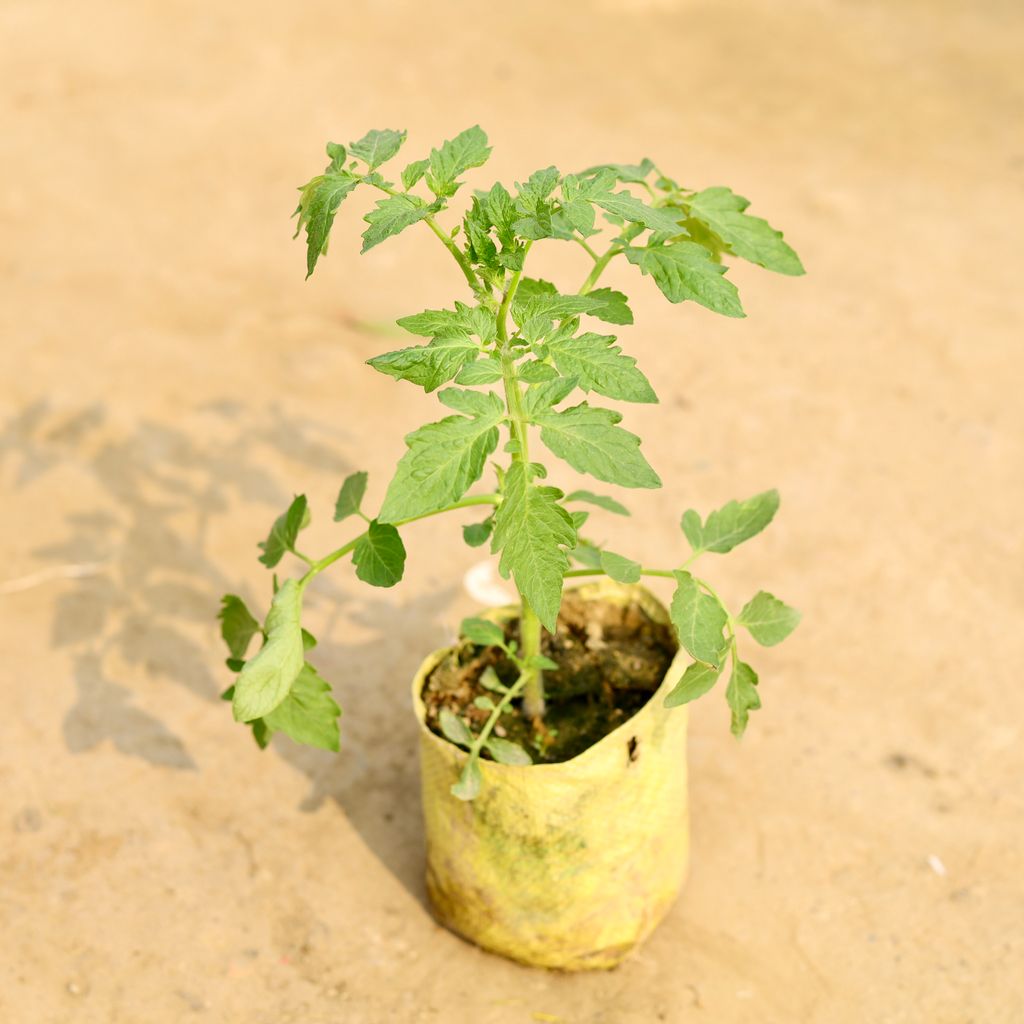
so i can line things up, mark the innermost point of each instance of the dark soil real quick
(611, 658)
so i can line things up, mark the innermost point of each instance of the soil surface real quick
(168, 381)
(610, 659)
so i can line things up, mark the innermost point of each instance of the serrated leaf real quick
(483, 371)
(750, 238)
(550, 307)
(456, 156)
(429, 366)
(699, 621)
(336, 154)
(477, 534)
(482, 632)
(392, 215)
(541, 398)
(454, 728)
(318, 203)
(350, 497)
(237, 625)
(620, 568)
(599, 365)
(507, 752)
(462, 322)
(443, 460)
(468, 786)
(308, 714)
(588, 439)
(768, 619)
(413, 173)
(601, 500)
(613, 309)
(685, 270)
(742, 695)
(695, 682)
(532, 532)
(626, 173)
(546, 664)
(268, 676)
(534, 372)
(627, 206)
(308, 640)
(379, 555)
(284, 532)
(532, 204)
(732, 524)
(579, 518)
(377, 147)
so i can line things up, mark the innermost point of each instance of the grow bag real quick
(566, 865)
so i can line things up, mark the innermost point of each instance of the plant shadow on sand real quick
(141, 590)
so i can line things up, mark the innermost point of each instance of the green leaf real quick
(750, 238)
(444, 459)
(599, 365)
(392, 215)
(477, 534)
(308, 714)
(699, 620)
(627, 173)
(768, 619)
(469, 782)
(541, 398)
(318, 203)
(379, 555)
(742, 695)
(685, 270)
(336, 153)
(534, 372)
(483, 371)
(613, 308)
(482, 632)
(429, 366)
(377, 147)
(350, 497)
(414, 172)
(532, 205)
(620, 568)
(586, 553)
(551, 306)
(284, 532)
(268, 676)
(507, 752)
(237, 625)
(532, 532)
(308, 640)
(601, 500)
(454, 728)
(490, 681)
(589, 440)
(545, 664)
(483, 702)
(627, 206)
(456, 156)
(733, 523)
(462, 322)
(695, 682)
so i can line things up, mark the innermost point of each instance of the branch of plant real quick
(511, 693)
(317, 567)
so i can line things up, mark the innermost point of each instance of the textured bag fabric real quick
(565, 865)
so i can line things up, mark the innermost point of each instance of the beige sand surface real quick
(168, 381)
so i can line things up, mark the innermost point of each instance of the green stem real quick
(598, 269)
(499, 710)
(315, 568)
(667, 573)
(464, 265)
(529, 624)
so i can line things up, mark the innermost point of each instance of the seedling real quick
(515, 351)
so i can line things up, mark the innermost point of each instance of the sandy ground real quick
(168, 381)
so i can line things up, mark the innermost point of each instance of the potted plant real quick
(552, 744)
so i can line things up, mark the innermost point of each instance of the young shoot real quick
(507, 360)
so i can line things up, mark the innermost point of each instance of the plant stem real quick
(318, 567)
(668, 573)
(529, 624)
(598, 269)
(499, 710)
